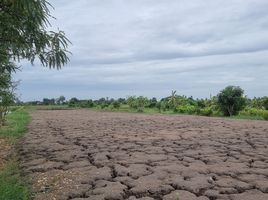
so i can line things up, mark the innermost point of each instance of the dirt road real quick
(82, 154)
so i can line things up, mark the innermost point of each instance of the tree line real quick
(230, 101)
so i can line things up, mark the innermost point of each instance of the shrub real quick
(254, 112)
(265, 116)
(116, 104)
(131, 101)
(206, 111)
(158, 106)
(104, 105)
(138, 103)
(265, 103)
(86, 104)
(163, 105)
(141, 102)
(152, 102)
(73, 102)
(187, 109)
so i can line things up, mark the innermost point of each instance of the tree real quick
(173, 100)
(73, 102)
(60, 100)
(121, 100)
(152, 102)
(7, 95)
(231, 100)
(138, 103)
(141, 103)
(24, 35)
(131, 101)
(265, 102)
(47, 101)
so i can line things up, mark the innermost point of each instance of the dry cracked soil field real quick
(88, 155)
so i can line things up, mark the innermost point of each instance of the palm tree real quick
(173, 99)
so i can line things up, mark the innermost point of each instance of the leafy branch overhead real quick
(24, 34)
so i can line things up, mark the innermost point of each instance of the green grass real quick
(247, 117)
(16, 126)
(52, 107)
(12, 186)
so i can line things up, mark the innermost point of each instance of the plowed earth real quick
(82, 154)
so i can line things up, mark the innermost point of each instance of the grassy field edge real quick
(12, 185)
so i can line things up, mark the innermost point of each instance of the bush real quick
(265, 116)
(254, 112)
(73, 102)
(116, 104)
(131, 101)
(206, 111)
(265, 103)
(104, 105)
(187, 109)
(138, 103)
(163, 105)
(86, 104)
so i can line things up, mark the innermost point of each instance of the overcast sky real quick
(150, 47)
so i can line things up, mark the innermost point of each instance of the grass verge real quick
(12, 186)
(16, 126)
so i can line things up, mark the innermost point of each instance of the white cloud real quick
(150, 47)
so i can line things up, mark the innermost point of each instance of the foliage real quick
(138, 103)
(60, 100)
(47, 101)
(265, 116)
(24, 35)
(265, 102)
(172, 100)
(231, 100)
(164, 105)
(206, 111)
(73, 102)
(248, 111)
(7, 95)
(152, 102)
(141, 102)
(86, 103)
(116, 104)
(131, 101)
(187, 109)
(254, 109)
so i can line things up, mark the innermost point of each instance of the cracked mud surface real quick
(83, 154)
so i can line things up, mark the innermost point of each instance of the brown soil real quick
(82, 154)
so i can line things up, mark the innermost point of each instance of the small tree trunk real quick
(1, 118)
(230, 110)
